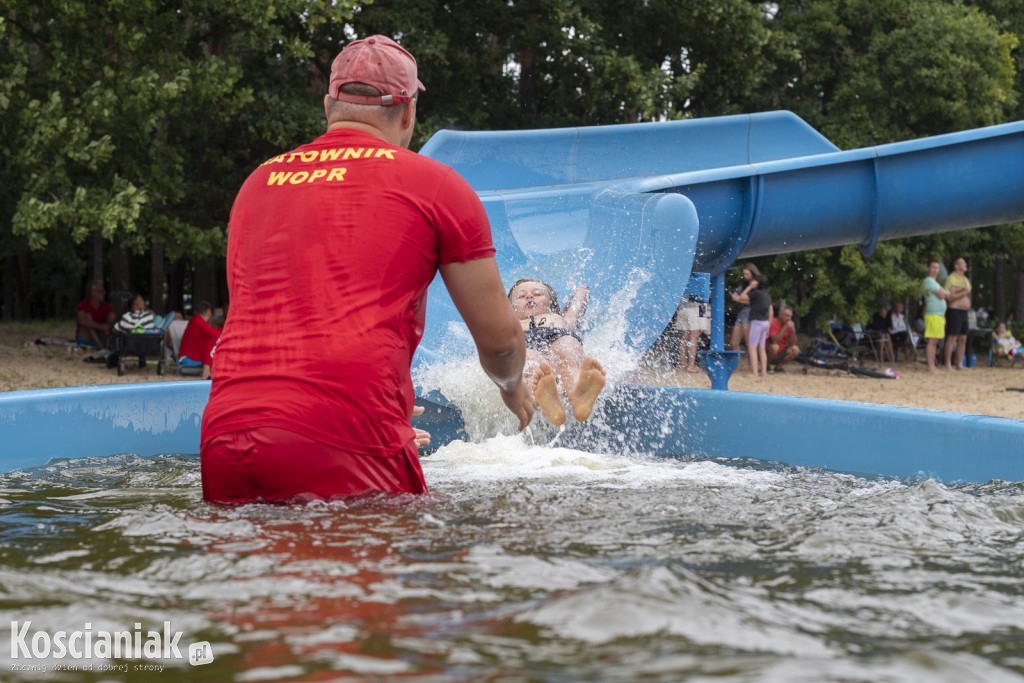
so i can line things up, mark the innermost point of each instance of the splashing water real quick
(461, 381)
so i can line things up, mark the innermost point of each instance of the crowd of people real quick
(189, 343)
(942, 331)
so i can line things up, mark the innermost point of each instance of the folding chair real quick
(848, 341)
(875, 342)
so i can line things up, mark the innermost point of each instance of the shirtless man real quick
(555, 364)
(958, 303)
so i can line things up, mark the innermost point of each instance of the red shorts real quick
(270, 464)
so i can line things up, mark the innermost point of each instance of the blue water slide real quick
(760, 184)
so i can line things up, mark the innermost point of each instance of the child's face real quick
(531, 298)
(1001, 329)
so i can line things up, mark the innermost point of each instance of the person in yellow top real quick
(957, 304)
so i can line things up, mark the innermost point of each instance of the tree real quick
(870, 73)
(138, 121)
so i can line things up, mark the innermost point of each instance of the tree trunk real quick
(176, 287)
(21, 309)
(204, 283)
(999, 288)
(97, 257)
(527, 84)
(156, 278)
(1018, 314)
(10, 270)
(120, 280)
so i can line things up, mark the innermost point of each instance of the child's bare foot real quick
(545, 392)
(589, 385)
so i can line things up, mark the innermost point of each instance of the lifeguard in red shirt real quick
(331, 248)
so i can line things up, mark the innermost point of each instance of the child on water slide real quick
(556, 369)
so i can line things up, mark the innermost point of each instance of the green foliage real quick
(139, 121)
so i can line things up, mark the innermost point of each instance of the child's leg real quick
(544, 388)
(588, 387)
(751, 352)
(581, 379)
(762, 353)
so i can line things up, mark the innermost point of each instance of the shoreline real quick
(978, 391)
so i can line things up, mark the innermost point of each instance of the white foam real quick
(512, 457)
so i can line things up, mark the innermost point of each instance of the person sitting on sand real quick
(93, 318)
(1006, 345)
(556, 368)
(200, 338)
(138, 317)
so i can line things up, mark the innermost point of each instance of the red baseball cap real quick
(377, 61)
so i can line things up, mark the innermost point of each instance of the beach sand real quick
(981, 390)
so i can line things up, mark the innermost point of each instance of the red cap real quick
(377, 61)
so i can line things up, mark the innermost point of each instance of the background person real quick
(137, 317)
(328, 268)
(934, 313)
(742, 326)
(199, 339)
(958, 303)
(899, 333)
(781, 341)
(1006, 345)
(756, 296)
(93, 318)
(878, 328)
(691, 324)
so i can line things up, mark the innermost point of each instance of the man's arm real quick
(938, 291)
(955, 293)
(476, 290)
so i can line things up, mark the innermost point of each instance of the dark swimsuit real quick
(540, 338)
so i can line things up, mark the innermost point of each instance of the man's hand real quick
(421, 437)
(520, 403)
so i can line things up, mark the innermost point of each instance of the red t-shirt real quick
(99, 313)
(198, 340)
(331, 248)
(775, 328)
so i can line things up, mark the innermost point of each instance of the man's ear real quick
(409, 115)
(327, 107)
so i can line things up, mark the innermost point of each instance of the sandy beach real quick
(981, 390)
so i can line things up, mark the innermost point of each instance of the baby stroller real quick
(141, 344)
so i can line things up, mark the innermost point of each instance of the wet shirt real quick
(331, 248)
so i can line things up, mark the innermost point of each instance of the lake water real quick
(527, 563)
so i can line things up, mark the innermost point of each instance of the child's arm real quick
(743, 298)
(576, 306)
